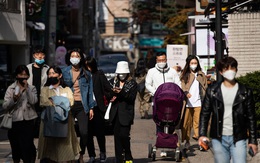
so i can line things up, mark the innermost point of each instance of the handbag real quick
(7, 121)
(108, 111)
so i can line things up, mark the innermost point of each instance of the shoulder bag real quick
(7, 120)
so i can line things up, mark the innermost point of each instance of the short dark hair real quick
(160, 54)
(92, 63)
(38, 49)
(226, 62)
(20, 68)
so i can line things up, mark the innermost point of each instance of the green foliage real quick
(177, 25)
(252, 80)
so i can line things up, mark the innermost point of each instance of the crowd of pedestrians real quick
(44, 97)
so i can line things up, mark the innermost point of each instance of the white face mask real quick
(229, 75)
(74, 61)
(161, 65)
(193, 67)
(122, 76)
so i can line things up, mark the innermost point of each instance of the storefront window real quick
(10, 5)
(121, 25)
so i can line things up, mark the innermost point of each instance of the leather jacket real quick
(243, 111)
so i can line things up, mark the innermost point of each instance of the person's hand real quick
(116, 90)
(91, 114)
(202, 139)
(188, 95)
(16, 97)
(25, 85)
(113, 99)
(254, 147)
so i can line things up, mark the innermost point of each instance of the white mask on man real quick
(229, 75)
(161, 65)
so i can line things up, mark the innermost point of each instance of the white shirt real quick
(229, 95)
(194, 100)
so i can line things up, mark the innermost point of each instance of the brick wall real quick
(244, 41)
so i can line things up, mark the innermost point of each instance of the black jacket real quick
(123, 106)
(101, 88)
(244, 123)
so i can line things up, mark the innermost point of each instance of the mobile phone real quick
(251, 152)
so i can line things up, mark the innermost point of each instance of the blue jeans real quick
(226, 150)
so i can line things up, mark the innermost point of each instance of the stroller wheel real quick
(178, 155)
(152, 152)
(153, 155)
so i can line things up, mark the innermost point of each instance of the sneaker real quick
(163, 154)
(187, 145)
(91, 160)
(129, 161)
(103, 157)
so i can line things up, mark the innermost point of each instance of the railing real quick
(10, 6)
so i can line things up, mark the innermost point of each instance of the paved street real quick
(143, 133)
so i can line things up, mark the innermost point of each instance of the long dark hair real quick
(82, 58)
(186, 70)
(92, 63)
(140, 68)
(57, 70)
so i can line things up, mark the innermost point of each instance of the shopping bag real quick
(108, 111)
(7, 121)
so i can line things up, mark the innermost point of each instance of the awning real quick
(187, 34)
(36, 25)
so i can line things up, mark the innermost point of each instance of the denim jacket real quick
(85, 84)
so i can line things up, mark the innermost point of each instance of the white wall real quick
(244, 41)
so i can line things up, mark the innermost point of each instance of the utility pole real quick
(96, 31)
(86, 24)
(218, 42)
(50, 31)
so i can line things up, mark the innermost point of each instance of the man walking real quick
(160, 74)
(230, 107)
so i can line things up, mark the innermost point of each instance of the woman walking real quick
(194, 84)
(101, 88)
(56, 148)
(80, 81)
(20, 98)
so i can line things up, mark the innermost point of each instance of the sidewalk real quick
(142, 134)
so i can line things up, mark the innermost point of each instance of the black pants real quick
(122, 141)
(78, 112)
(21, 140)
(96, 128)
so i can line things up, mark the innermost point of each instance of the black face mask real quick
(20, 80)
(53, 80)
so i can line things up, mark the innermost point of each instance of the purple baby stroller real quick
(167, 109)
